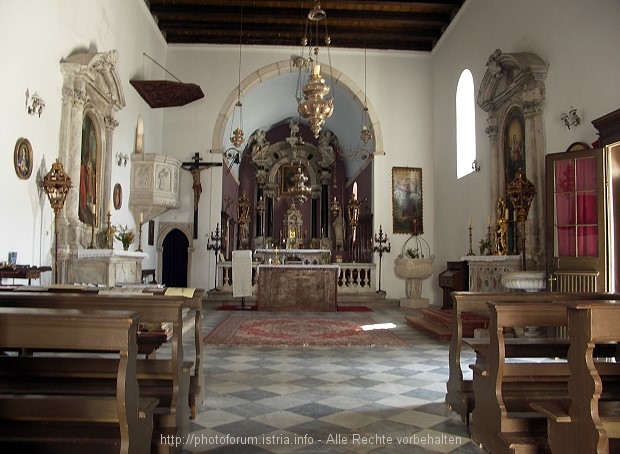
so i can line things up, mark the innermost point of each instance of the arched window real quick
(465, 125)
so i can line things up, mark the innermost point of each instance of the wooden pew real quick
(167, 379)
(504, 391)
(126, 416)
(459, 391)
(192, 303)
(586, 423)
(197, 378)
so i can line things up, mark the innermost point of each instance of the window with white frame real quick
(465, 125)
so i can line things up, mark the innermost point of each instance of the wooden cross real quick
(195, 167)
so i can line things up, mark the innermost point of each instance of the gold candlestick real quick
(470, 252)
(110, 232)
(92, 232)
(140, 239)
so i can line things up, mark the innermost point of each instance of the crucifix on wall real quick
(195, 167)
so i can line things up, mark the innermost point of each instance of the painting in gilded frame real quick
(407, 207)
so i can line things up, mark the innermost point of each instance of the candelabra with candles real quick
(92, 228)
(383, 245)
(110, 232)
(214, 243)
(140, 233)
(470, 252)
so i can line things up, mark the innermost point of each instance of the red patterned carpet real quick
(302, 330)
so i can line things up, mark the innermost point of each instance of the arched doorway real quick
(175, 259)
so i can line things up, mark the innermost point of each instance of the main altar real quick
(305, 288)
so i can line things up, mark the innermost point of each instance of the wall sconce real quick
(475, 165)
(571, 118)
(121, 159)
(35, 104)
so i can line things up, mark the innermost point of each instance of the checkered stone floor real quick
(328, 400)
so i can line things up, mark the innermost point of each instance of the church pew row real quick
(76, 422)
(166, 379)
(504, 390)
(459, 391)
(192, 299)
(586, 422)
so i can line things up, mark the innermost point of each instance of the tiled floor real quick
(328, 400)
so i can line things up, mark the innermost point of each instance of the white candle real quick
(317, 70)
(141, 218)
(506, 214)
(110, 206)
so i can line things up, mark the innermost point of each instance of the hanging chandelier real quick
(365, 134)
(233, 154)
(314, 107)
(299, 191)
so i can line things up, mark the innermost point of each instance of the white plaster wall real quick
(579, 41)
(398, 86)
(34, 36)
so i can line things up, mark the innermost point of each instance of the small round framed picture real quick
(22, 158)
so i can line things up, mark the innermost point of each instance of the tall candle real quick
(141, 218)
(317, 70)
(110, 206)
(506, 214)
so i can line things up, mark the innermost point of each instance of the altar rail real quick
(353, 277)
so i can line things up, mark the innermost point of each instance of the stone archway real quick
(283, 67)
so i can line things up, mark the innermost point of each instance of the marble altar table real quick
(304, 288)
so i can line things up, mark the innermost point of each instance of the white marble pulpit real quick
(107, 267)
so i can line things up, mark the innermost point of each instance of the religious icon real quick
(88, 171)
(22, 158)
(407, 199)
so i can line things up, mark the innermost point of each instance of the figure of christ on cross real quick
(195, 167)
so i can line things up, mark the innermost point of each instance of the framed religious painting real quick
(287, 172)
(89, 165)
(407, 207)
(22, 158)
(117, 196)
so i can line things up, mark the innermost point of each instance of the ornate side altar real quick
(304, 288)
(306, 256)
(105, 266)
(485, 271)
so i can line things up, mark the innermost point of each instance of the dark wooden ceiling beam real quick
(357, 24)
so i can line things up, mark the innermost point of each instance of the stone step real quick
(437, 330)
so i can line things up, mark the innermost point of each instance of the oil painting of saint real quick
(88, 171)
(407, 200)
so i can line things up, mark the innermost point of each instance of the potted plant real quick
(414, 263)
(125, 235)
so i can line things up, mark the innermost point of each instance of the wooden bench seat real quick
(505, 389)
(459, 390)
(127, 415)
(173, 385)
(589, 420)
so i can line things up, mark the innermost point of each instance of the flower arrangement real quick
(124, 235)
